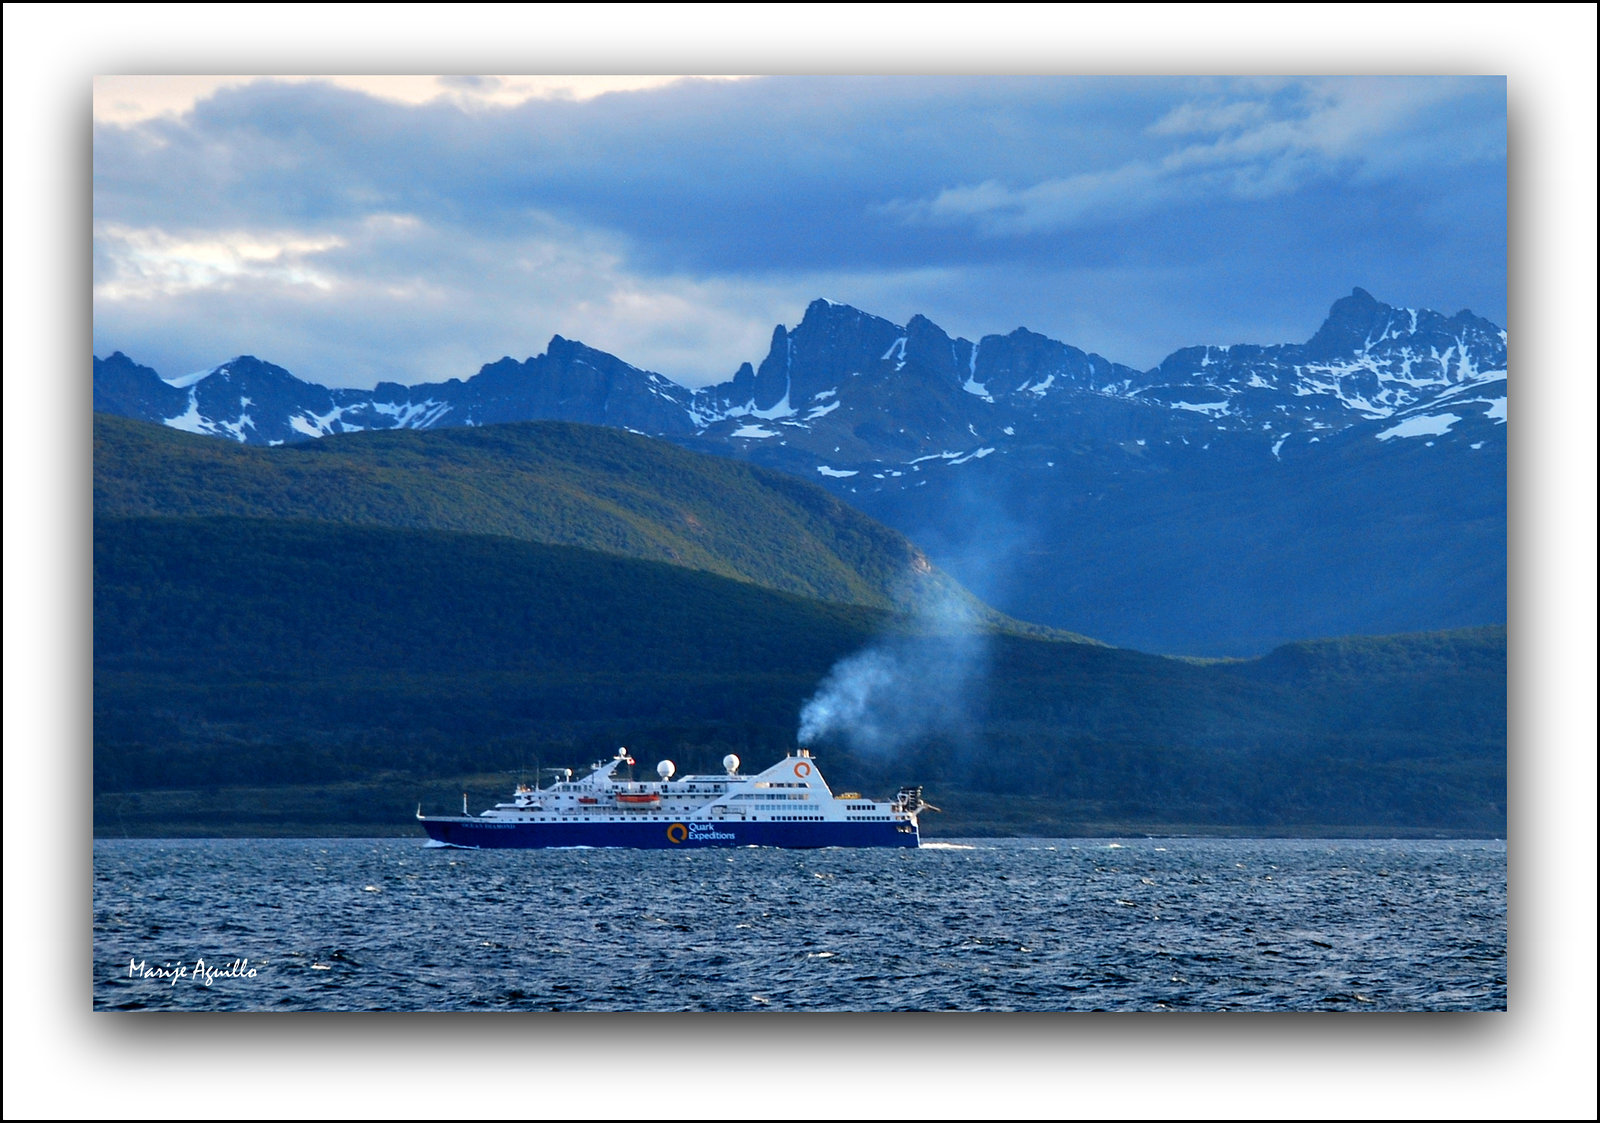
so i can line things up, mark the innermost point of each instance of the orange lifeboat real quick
(639, 799)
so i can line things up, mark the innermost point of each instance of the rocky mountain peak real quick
(1213, 476)
(1351, 323)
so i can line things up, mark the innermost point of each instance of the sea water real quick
(969, 925)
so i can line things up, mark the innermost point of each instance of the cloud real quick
(784, 173)
(394, 297)
(147, 264)
(1190, 117)
(129, 99)
(674, 225)
(1325, 130)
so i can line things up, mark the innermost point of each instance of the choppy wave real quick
(975, 924)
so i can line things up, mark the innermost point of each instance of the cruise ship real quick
(788, 805)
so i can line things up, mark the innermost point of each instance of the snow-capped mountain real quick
(1367, 360)
(256, 402)
(1370, 458)
(862, 394)
(826, 388)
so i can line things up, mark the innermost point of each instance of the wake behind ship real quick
(788, 805)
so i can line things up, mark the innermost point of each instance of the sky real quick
(361, 228)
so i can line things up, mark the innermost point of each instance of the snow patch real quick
(1210, 409)
(184, 381)
(835, 472)
(972, 385)
(782, 409)
(412, 415)
(979, 454)
(898, 350)
(190, 420)
(236, 428)
(935, 456)
(1429, 425)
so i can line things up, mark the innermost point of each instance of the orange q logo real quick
(677, 833)
(802, 769)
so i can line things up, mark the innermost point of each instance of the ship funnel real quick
(665, 769)
(731, 763)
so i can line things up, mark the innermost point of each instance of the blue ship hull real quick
(487, 834)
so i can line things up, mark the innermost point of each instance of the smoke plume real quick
(904, 687)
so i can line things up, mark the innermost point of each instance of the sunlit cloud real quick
(146, 263)
(127, 99)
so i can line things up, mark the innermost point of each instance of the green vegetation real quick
(259, 597)
(254, 654)
(546, 481)
(288, 674)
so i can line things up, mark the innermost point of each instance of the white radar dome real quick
(665, 769)
(731, 763)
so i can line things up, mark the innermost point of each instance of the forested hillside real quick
(275, 675)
